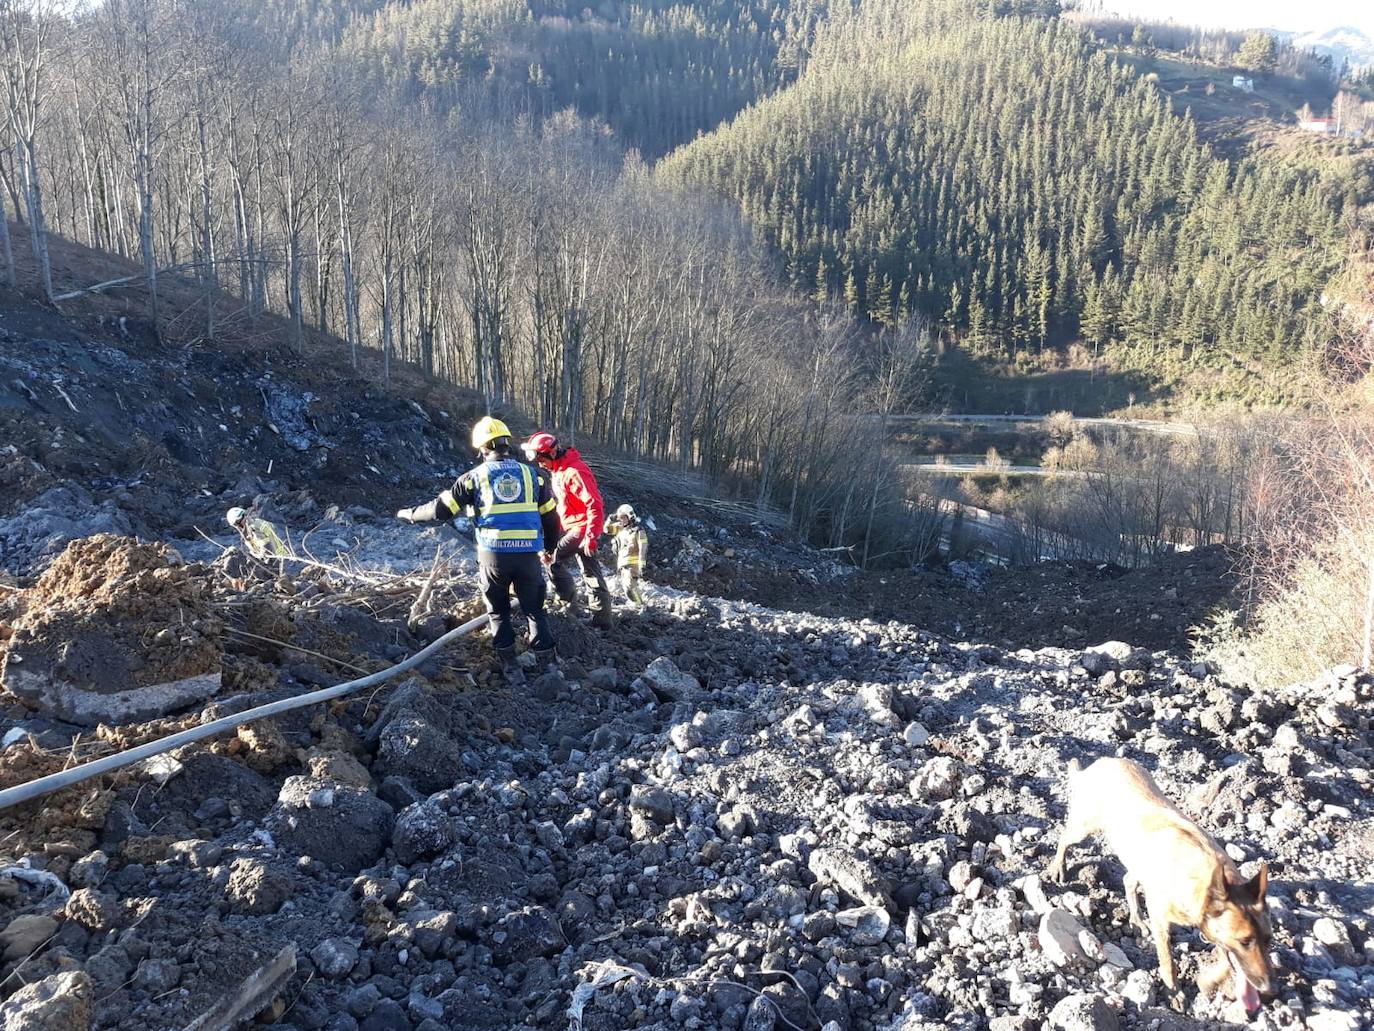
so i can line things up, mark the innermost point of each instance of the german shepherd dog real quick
(1186, 877)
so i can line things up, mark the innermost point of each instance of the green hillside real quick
(1006, 177)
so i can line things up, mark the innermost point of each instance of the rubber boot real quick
(510, 667)
(603, 615)
(545, 659)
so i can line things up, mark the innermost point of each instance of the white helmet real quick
(236, 516)
(625, 512)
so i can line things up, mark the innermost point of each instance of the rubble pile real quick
(721, 816)
(114, 631)
(748, 807)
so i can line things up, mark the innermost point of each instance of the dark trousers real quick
(592, 575)
(498, 572)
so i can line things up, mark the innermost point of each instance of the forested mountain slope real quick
(657, 72)
(1002, 174)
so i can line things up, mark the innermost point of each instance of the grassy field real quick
(1231, 119)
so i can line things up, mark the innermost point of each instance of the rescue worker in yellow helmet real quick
(259, 536)
(630, 541)
(513, 511)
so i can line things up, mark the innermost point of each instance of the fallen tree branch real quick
(421, 606)
(58, 387)
(296, 648)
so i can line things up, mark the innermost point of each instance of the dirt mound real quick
(114, 630)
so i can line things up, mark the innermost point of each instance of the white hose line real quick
(56, 781)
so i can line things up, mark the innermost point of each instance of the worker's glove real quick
(406, 515)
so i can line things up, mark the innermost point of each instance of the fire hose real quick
(66, 778)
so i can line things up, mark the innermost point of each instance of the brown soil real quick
(113, 613)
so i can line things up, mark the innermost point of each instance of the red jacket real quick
(579, 501)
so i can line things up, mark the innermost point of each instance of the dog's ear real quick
(1218, 892)
(1251, 892)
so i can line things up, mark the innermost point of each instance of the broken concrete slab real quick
(88, 708)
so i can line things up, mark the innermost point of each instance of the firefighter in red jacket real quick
(583, 516)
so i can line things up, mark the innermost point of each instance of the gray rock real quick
(1139, 988)
(89, 871)
(110, 967)
(670, 683)
(25, 934)
(937, 780)
(685, 736)
(348, 835)
(1331, 933)
(1059, 938)
(870, 924)
(960, 875)
(653, 802)
(548, 835)
(421, 831)
(1117, 651)
(915, 735)
(334, 958)
(433, 930)
(93, 910)
(996, 924)
(762, 1015)
(255, 888)
(54, 696)
(1116, 956)
(1084, 1012)
(734, 824)
(413, 747)
(62, 1002)
(388, 1015)
(158, 974)
(398, 792)
(526, 933)
(856, 877)
(1034, 891)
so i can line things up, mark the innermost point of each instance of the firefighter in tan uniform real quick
(259, 536)
(630, 541)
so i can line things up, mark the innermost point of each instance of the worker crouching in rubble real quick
(259, 536)
(582, 515)
(630, 541)
(513, 511)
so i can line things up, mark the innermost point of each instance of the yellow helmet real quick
(487, 430)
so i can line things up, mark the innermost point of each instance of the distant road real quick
(982, 469)
(1141, 425)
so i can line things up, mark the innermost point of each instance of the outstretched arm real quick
(443, 508)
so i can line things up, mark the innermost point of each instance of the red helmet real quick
(540, 444)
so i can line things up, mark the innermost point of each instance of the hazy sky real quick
(1297, 15)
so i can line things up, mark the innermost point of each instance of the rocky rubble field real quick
(719, 816)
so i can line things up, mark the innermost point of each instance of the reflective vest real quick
(264, 541)
(507, 516)
(631, 546)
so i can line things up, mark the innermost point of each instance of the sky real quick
(1294, 15)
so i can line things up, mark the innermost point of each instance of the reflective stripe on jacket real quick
(631, 546)
(507, 504)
